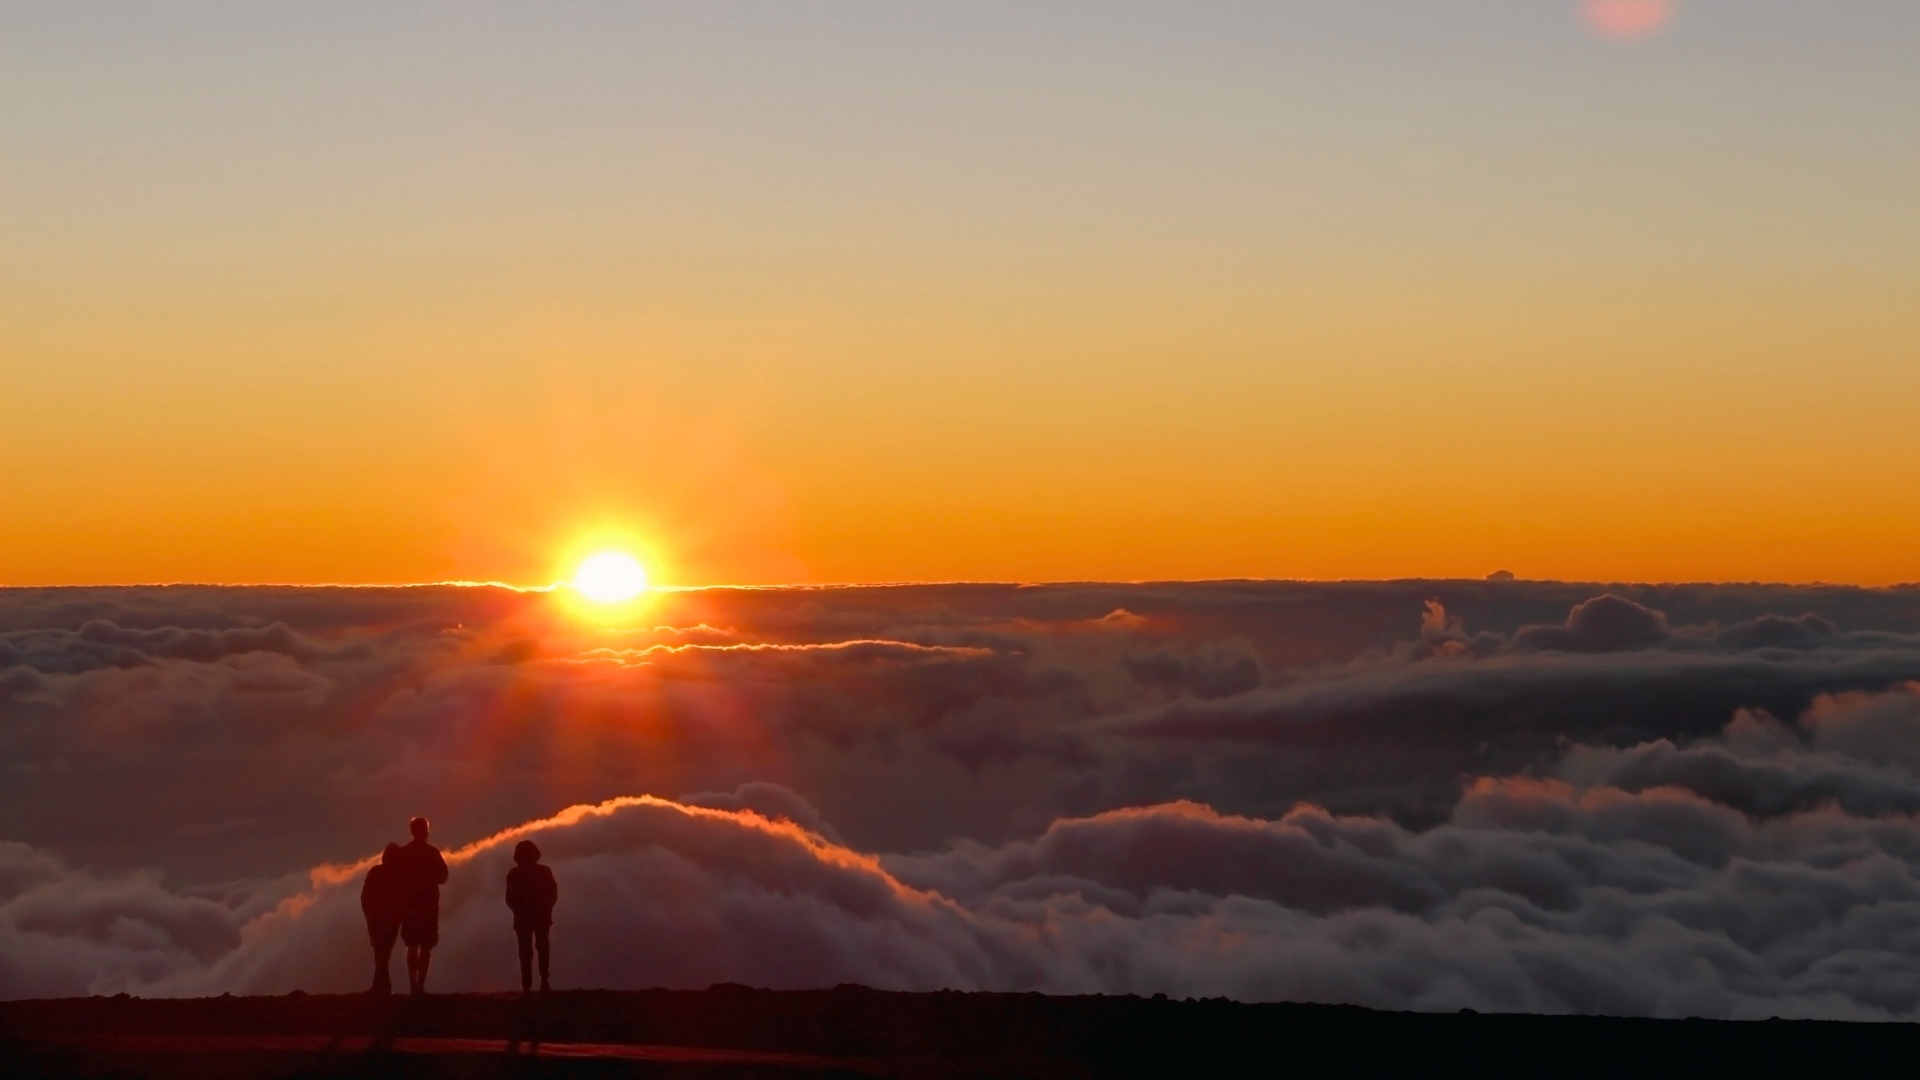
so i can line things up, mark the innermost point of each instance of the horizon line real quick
(462, 583)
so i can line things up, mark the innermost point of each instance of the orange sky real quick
(830, 297)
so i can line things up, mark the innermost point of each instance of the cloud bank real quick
(1502, 796)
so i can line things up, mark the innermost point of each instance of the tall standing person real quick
(531, 893)
(422, 872)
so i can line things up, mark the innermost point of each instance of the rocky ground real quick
(734, 1032)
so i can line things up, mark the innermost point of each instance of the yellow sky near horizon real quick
(845, 299)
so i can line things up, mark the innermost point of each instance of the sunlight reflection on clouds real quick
(1499, 795)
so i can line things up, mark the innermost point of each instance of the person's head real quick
(392, 853)
(525, 853)
(418, 827)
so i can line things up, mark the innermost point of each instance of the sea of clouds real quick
(1670, 801)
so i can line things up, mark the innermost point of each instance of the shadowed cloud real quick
(1503, 795)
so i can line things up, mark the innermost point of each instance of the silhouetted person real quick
(531, 893)
(380, 903)
(422, 872)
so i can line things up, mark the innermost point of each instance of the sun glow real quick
(1626, 20)
(610, 577)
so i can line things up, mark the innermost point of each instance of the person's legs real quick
(525, 937)
(410, 936)
(421, 933)
(540, 942)
(383, 937)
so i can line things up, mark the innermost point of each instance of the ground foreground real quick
(735, 1032)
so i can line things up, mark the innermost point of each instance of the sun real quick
(610, 577)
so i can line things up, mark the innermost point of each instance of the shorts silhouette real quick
(420, 928)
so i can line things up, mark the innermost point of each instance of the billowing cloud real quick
(1603, 624)
(1503, 795)
(1538, 894)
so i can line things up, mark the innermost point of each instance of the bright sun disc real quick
(610, 577)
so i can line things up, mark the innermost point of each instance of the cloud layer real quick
(1418, 795)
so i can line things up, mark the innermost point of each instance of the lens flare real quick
(610, 577)
(1625, 20)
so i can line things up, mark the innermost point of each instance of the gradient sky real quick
(801, 291)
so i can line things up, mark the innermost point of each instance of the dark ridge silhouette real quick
(849, 1031)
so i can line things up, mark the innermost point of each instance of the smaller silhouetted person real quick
(380, 903)
(422, 872)
(531, 893)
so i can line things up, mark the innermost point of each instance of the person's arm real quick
(439, 869)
